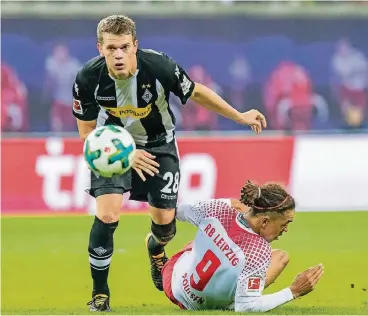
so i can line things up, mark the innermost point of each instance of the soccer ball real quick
(109, 150)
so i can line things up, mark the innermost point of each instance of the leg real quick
(101, 245)
(279, 261)
(163, 229)
(167, 276)
(162, 194)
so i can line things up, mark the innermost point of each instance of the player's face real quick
(273, 226)
(120, 54)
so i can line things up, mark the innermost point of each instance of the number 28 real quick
(172, 185)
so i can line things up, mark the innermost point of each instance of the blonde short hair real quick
(117, 25)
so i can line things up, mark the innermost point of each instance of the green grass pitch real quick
(45, 266)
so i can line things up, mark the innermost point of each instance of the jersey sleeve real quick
(85, 106)
(195, 213)
(251, 282)
(176, 79)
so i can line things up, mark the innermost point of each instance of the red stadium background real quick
(47, 175)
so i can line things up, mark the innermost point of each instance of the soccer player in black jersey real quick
(130, 87)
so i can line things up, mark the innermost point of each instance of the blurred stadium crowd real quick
(303, 75)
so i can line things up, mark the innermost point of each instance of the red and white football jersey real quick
(227, 263)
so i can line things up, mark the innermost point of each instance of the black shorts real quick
(159, 191)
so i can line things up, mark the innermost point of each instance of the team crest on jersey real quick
(77, 106)
(147, 96)
(254, 284)
(130, 110)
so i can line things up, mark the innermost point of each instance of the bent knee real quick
(162, 216)
(280, 256)
(164, 233)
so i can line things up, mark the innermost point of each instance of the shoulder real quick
(214, 203)
(152, 60)
(256, 249)
(91, 69)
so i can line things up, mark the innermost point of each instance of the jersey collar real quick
(243, 223)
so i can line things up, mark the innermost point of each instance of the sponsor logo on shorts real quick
(77, 106)
(168, 197)
(129, 110)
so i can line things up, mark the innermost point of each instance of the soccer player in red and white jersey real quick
(230, 261)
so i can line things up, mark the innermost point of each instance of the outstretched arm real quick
(212, 101)
(176, 80)
(249, 298)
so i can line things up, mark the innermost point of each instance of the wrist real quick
(294, 292)
(237, 117)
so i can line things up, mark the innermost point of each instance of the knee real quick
(108, 217)
(101, 237)
(108, 214)
(162, 216)
(281, 257)
(164, 233)
(108, 207)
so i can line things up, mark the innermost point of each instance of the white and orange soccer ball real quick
(109, 150)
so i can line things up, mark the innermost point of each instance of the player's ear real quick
(265, 220)
(99, 47)
(135, 43)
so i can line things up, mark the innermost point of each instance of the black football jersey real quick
(140, 104)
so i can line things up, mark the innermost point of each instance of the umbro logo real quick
(100, 251)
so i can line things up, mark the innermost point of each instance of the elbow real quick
(85, 128)
(202, 95)
(197, 92)
(83, 135)
(253, 306)
(250, 309)
(84, 132)
(239, 310)
(245, 309)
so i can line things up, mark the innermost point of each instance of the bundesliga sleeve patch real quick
(254, 284)
(77, 106)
